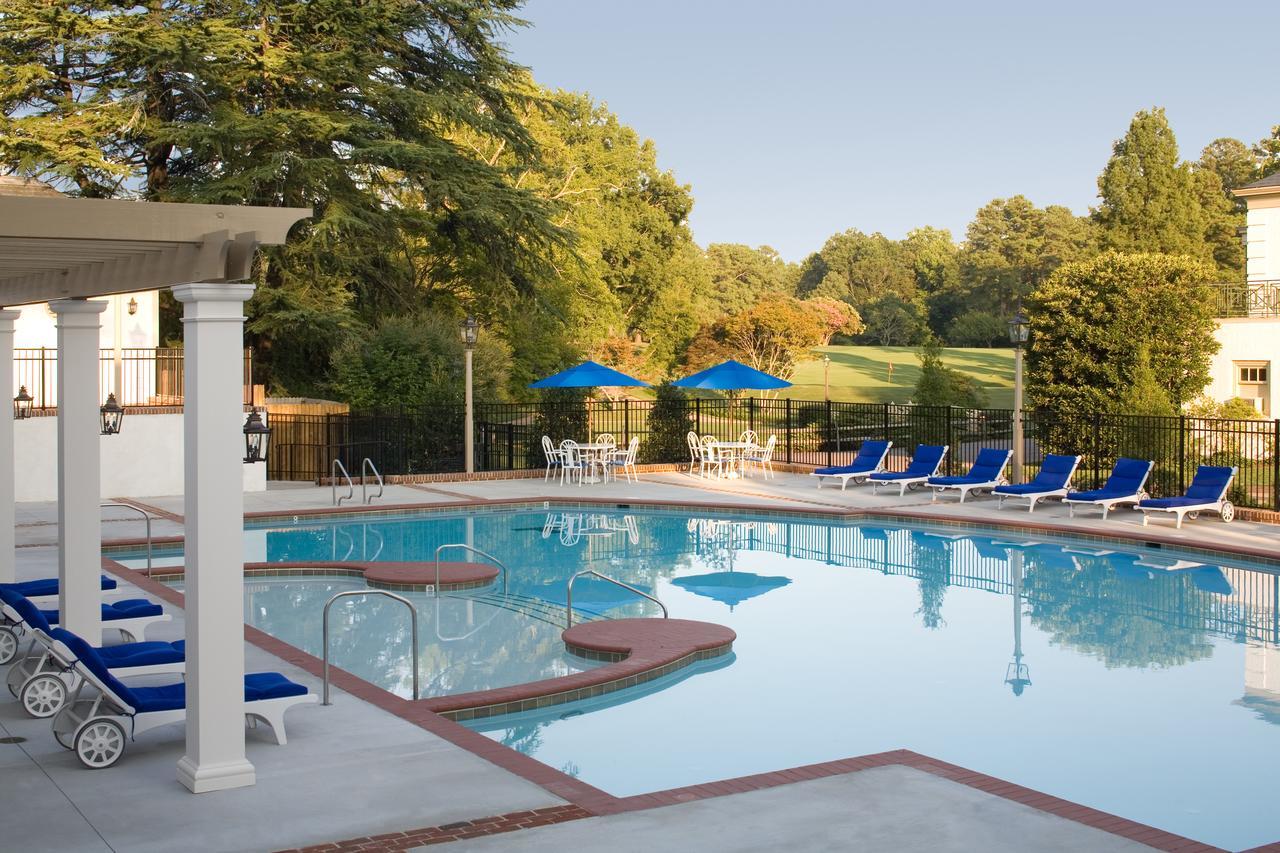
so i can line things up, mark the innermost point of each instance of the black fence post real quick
(1275, 475)
(951, 442)
(830, 427)
(1182, 453)
(511, 447)
(626, 422)
(884, 431)
(789, 430)
(751, 413)
(697, 415)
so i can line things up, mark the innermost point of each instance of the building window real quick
(1253, 383)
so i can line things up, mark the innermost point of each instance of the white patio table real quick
(733, 452)
(593, 455)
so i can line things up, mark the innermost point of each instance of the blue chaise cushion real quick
(143, 654)
(869, 457)
(45, 587)
(927, 459)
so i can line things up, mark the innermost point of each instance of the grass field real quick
(861, 374)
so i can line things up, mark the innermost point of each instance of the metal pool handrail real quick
(501, 565)
(568, 594)
(333, 482)
(413, 615)
(145, 515)
(367, 465)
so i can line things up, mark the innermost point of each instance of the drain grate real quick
(14, 739)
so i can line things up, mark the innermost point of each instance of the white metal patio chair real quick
(555, 458)
(709, 456)
(625, 460)
(573, 462)
(695, 449)
(762, 457)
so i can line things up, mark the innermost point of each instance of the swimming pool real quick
(1137, 681)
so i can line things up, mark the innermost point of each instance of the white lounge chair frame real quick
(1224, 508)
(95, 728)
(1035, 497)
(911, 482)
(42, 680)
(859, 477)
(965, 488)
(1109, 504)
(131, 630)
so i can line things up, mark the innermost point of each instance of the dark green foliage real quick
(414, 361)
(669, 424)
(1088, 319)
(978, 329)
(562, 414)
(939, 385)
(892, 321)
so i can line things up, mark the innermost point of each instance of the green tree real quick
(858, 268)
(1267, 152)
(1088, 316)
(939, 385)
(1150, 200)
(739, 275)
(414, 361)
(978, 329)
(1234, 164)
(773, 336)
(892, 321)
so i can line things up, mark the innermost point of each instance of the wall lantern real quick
(133, 307)
(112, 416)
(22, 404)
(256, 434)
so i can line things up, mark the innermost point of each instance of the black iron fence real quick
(508, 437)
(138, 376)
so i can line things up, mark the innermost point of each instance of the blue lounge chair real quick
(98, 727)
(1052, 481)
(42, 680)
(987, 472)
(870, 460)
(1207, 493)
(1126, 485)
(45, 590)
(925, 464)
(130, 617)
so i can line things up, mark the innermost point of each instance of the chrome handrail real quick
(145, 515)
(474, 550)
(333, 482)
(368, 463)
(413, 615)
(568, 594)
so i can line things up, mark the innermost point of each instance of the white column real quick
(79, 467)
(7, 571)
(213, 320)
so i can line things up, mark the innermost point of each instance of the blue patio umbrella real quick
(732, 376)
(731, 587)
(589, 374)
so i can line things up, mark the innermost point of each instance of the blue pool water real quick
(1130, 680)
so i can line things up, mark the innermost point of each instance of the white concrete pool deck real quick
(354, 770)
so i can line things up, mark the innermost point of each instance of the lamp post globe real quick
(22, 404)
(112, 414)
(256, 435)
(470, 331)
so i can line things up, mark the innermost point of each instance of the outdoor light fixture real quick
(1019, 328)
(22, 404)
(112, 415)
(256, 434)
(470, 331)
(133, 307)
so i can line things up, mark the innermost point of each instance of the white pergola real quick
(66, 251)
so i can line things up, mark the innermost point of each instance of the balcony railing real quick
(1248, 299)
(141, 376)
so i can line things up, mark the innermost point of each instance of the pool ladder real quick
(366, 467)
(146, 516)
(413, 616)
(501, 565)
(568, 594)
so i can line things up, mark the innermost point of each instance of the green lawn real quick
(861, 374)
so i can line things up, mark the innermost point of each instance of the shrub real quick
(669, 423)
(978, 329)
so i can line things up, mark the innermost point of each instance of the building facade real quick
(1249, 312)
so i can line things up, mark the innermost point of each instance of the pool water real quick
(1136, 681)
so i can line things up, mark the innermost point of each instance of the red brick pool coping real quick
(593, 801)
(393, 576)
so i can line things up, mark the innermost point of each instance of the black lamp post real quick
(1019, 331)
(22, 404)
(256, 434)
(112, 416)
(470, 333)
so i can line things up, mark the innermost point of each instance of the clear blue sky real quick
(795, 120)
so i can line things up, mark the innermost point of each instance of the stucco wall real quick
(1264, 239)
(1244, 339)
(144, 460)
(37, 327)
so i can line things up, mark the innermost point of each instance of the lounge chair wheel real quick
(14, 680)
(1193, 515)
(1228, 511)
(99, 743)
(43, 695)
(8, 645)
